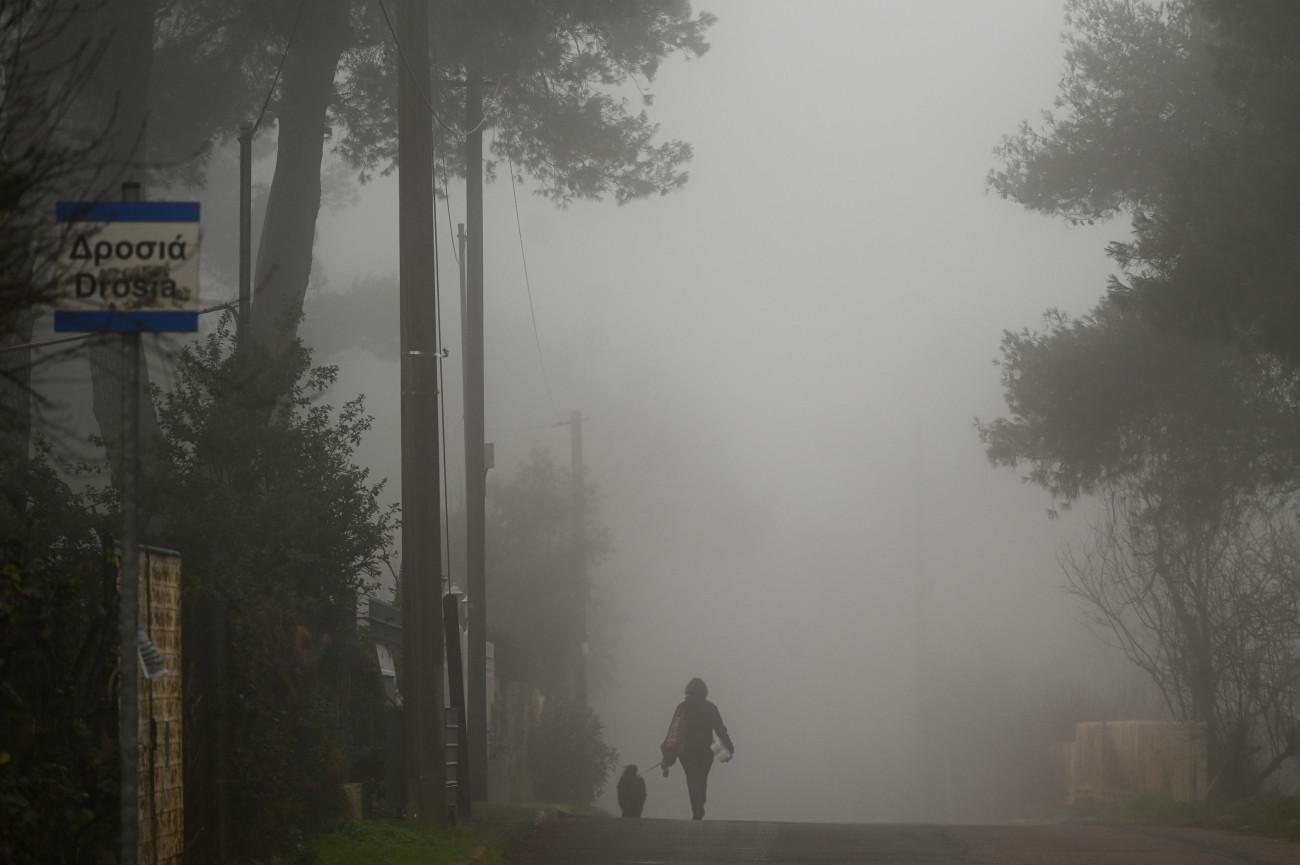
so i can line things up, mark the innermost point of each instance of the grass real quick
(1263, 814)
(396, 842)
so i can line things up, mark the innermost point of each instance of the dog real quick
(631, 792)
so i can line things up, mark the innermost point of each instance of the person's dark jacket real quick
(701, 719)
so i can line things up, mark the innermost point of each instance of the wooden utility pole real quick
(475, 471)
(426, 791)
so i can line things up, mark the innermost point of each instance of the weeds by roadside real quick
(1262, 814)
(397, 842)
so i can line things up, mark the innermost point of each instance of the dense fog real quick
(780, 365)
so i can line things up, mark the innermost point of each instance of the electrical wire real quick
(446, 200)
(280, 68)
(537, 339)
(450, 127)
(83, 336)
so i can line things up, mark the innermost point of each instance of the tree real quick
(1174, 399)
(46, 61)
(1184, 116)
(567, 755)
(1104, 398)
(1137, 97)
(1205, 602)
(58, 660)
(1190, 567)
(280, 532)
(551, 64)
(530, 567)
(553, 69)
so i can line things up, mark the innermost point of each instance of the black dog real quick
(631, 792)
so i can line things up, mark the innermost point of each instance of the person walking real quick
(690, 739)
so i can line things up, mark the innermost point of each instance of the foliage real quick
(1272, 814)
(1187, 567)
(58, 709)
(567, 755)
(553, 69)
(1137, 95)
(396, 842)
(1174, 400)
(280, 534)
(1184, 115)
(45, 62)
(292, 480)
(531, 590)
(41, 74)
(1103, 398)
(1207, 603)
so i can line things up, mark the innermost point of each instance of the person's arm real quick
(721, 729)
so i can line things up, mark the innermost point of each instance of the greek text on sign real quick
(128, 266)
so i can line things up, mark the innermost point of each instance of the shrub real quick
(567, 755)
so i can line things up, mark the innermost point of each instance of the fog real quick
(781, 364)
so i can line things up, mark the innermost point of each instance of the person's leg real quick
(697, 767)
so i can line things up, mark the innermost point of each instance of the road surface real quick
(613, 841)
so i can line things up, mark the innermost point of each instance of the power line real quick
(450, 127)
(84, 336)
(519, 228)
(446, 199)
(280, 68)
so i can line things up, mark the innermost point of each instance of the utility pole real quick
(245, 229)
(475, 471)
(128, 730)
(579, 562)
(426, 791)
(220, 649)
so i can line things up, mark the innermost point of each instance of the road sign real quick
(128, 266)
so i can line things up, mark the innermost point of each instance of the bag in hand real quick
(671, 749)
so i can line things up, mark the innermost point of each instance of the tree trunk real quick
(284, 257)
(15, 415)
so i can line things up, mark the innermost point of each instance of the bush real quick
(281, 532)
(567, 755)
(58, 659)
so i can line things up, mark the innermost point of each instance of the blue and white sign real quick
(128, 266)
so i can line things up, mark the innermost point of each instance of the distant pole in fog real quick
(577, 595)
(579, 562)
(925, 742)
(475, 470)
(933, 754)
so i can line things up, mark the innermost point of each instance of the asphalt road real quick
(606, 841)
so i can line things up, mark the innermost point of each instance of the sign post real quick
(128, 267)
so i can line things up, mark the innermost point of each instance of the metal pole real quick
(245, 228)
(475, 473)
(128, 616)
(461, 240)
(421, 520)
(456, 690)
